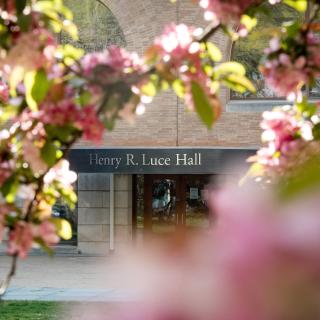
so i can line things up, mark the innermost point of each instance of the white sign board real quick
(194, 193)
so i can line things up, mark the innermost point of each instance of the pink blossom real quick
(4, 92)
(279, 127)
(59, 113)
(285, 77)
(286, 71)
(61, 174)
(30, 52)
(67, 112)
(32, 155)
(5, 171)
(177, 46)
(289, 143)
(90, 124)
(20, 239)
(181, 58)
(226, 11)
(47, 232)
(267, 261)
(282, 133)
(259, 261)
(117, 61)
(314, 59)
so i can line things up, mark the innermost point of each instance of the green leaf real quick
(214, 52)
(37, 86)
(109, 124)
(62, 133)
(9, 189)
(230, 67)
(239, 83)
(316, 131)
(24, 22)
(49, 153)
(20, 5)
(64, 229)
(302, 179)
(299, 5)
(292, 28)
(84, 98)
(202, 104)
(306, 108)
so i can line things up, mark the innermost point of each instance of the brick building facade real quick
(108, 202)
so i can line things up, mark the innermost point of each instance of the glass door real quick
(197, 215)
(169, 205)
(164, 204)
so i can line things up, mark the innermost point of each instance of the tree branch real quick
(209, 31)
(6, 282)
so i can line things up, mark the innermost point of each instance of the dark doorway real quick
(167, 204)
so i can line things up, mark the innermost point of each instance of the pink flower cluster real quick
(177, 46)
(32, 50)
(286, 72)
(21, 238)
(280, 133)
(67, 112)
(289, 142)
(267, 258)
(4, 92)
(115, 63)
(226, 11)
(5, 171)
(122, 69)
(284, 76)
(61, 174)
(180, 57)
(90, 124)
(261, 260)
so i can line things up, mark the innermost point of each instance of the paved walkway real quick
(68, 294)
(64, 278)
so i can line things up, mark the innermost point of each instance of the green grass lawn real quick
(31, 310)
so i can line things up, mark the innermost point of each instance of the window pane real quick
(315, 90)
(249, 50)
(98, 27)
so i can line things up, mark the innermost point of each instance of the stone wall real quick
(94, 212)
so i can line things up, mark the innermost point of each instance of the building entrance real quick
(167, 204)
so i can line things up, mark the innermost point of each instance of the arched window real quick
(249, 50)
(98, 27)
